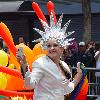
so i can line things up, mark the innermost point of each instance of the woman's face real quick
(54, 49)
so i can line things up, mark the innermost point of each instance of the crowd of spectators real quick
(80, 52)
(88, 54)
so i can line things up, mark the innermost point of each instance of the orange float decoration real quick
(38, 11)
(7, 40)
(37, 50)
(4, 27)
(9, 93)
(15, 76)
(50, 7)
(10, 71)
(7, 37)
(18, 83)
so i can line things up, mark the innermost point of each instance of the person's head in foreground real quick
(54, 39)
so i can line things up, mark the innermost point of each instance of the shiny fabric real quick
(48, 82)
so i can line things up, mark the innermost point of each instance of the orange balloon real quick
(14, 83)
(37, 50)
(7, 31)
(38, 56)
(7, 40)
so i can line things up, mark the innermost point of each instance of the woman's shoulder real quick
(40, 60)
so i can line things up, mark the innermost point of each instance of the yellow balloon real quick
(3, 81)
(11, 66)
(14, 61)
(3, 58)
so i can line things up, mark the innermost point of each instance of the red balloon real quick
(38, 11)
(7, 40)
(9, 93)
(50, 7)
(10, 71)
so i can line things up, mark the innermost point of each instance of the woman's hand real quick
(79, 74)
(79, 71)
(22, 61)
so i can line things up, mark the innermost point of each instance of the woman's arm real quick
(23, 64)
(33, 78)
(30, 78)
(70, 86)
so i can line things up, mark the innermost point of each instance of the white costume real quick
(48, 82)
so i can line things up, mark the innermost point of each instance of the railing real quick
(94, 83)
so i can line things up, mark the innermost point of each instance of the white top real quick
(47, 80)
(98, 63)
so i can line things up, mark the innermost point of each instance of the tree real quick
(86, 6)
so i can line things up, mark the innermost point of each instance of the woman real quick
(47, 77)
(97, 74)
(50, 77)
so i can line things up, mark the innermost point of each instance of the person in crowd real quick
(70, 56)
(67, 55)
(86, 54)
(28, 44)
(82, 57)
(74, 52)
(70, 53)
(21, 40)
(97, 58)
(3, 46)
(50, 77)
(90, 53)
